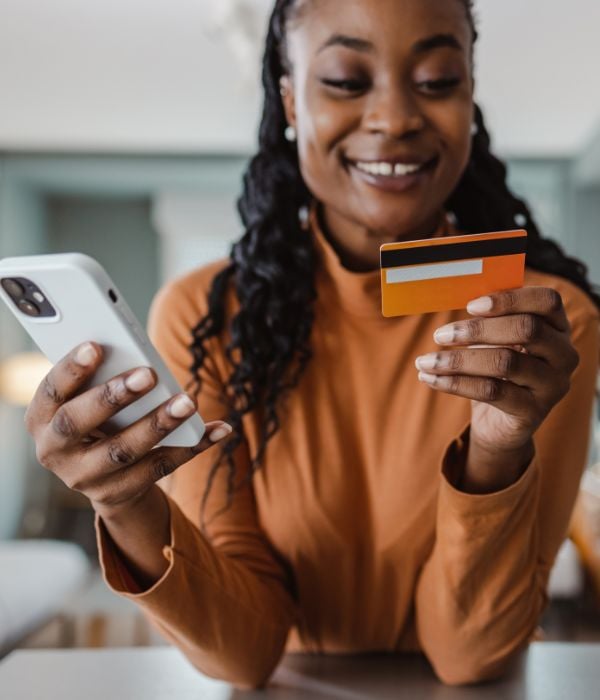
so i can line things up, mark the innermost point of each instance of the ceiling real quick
(154, 75)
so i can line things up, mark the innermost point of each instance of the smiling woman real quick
(362, 503)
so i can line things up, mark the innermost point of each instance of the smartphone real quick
(64, 299)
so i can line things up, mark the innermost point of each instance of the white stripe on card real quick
(416, 273)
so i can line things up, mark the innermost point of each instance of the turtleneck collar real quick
(358, 293)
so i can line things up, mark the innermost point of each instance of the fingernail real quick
(140, 379)
(445, 334)
(480, 306)
(426, 361)
(427, 378)
(181, 406)
(221, 432)
(85, 355)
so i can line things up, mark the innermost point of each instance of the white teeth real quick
(387, 169)
(401, 169)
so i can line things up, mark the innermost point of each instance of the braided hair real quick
(271, 268)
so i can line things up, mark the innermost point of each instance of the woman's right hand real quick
(113, 471)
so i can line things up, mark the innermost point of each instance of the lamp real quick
(20, 376)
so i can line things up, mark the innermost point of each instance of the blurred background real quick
(125, 127)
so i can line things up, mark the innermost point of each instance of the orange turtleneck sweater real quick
(352, 537)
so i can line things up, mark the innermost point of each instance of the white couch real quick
(37, 577)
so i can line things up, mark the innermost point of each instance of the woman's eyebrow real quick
(437, 41)
(349, 42)
(433, 42)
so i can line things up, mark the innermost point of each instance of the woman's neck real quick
(357, 247)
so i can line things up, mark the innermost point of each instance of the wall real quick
(22, 232)
(115, 231)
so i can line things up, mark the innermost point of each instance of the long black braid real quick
(271, 267)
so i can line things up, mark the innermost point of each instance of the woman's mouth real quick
(390, 175)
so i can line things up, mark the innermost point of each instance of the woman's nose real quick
(393, 110)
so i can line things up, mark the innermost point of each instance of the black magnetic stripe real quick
(453, 251)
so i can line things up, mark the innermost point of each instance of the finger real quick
(60, 384)
(497, 363)
(537, 336)
(506, 396)
(133, 443)
(113, 489)
(82, 415)
(543, 301)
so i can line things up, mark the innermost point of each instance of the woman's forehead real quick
(407, 21)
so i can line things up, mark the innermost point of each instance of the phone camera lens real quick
(28, 307)
(13, 288)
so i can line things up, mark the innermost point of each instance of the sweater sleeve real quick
(226, 597)
(481, 592)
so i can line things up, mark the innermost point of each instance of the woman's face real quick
(380, 94)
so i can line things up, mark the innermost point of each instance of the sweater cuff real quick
(465, 504)
(115, 572)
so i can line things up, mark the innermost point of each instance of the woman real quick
(361, 503)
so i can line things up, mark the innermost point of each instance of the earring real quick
(451, 218)
(520, 220)
(290, 134)
(474, 129)
(304, 217)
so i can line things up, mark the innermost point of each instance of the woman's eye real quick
(442, 85)
(345, 85)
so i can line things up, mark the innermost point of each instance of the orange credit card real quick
(440, 274)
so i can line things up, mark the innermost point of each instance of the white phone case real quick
(79, 289)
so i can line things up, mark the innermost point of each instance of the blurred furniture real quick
(546, 672)
(586, 526)
(37, 577)
(566, 578)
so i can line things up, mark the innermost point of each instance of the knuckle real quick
(112, 395)
(552, 300)
(505, 362)
(78, 372)
(510, 299)
(118, 454)
(157, 426)
(528, 327)
(455, 361)
(63, 425)
(51, 391)
(162, 466)
(454, 384)
(491, 390)
(475, 328)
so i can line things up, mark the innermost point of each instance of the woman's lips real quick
(391, 182)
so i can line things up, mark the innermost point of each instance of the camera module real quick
(28, 307)
(24, 294)
(13, 288)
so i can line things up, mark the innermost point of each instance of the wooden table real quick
(546, 672)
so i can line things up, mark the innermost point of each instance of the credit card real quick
(440, 274)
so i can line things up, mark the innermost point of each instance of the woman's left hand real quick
(512, 387)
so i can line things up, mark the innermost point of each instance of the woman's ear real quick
(289, 103)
